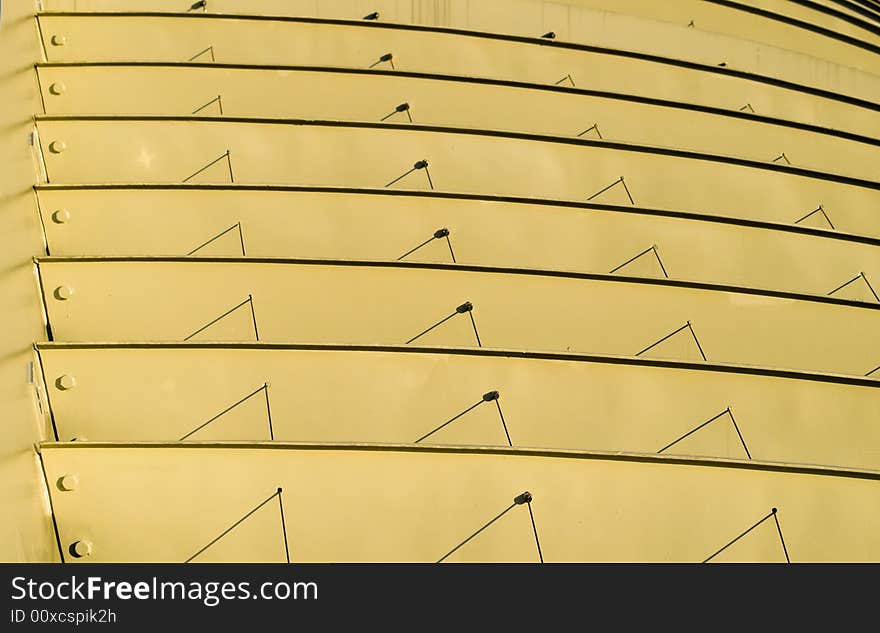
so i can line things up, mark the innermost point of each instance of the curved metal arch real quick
(488, 81)
(489, 270)
(452, 195)
(543, 138)
(536, 41)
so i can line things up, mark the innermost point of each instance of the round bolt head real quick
(58, 88)
(56, 147)
(59, 40)
(80, 549)
(68, 482)
(63, 293)
(65, 382)
(61, 216)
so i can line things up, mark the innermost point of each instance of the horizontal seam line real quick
(485, 35)
(567, 204)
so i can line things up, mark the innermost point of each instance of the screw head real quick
(65, 382)
(67, 483)
(80, 549)
(61, 216)
(58, 88)
(56, 147)
(63, 293)
(525, 497)
(59, 40)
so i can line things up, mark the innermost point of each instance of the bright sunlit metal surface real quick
(419, 504)
(333, 393)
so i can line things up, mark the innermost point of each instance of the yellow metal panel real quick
(380, 224)
(171, 151)
(370, 394)
(861, 31)
(746, 162)
(165, 503)
(26, 533)
(178, 39)
(596, 22)
(358, 96)
(314, 302)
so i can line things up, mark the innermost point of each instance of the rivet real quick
(63, 293)
(56, 147)
(61, 216)
(68, 482)
(65, 382)
(80, 549)
(58, 88)
(59, 40)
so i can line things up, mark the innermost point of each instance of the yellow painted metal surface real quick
(166, 503)
(390, 304)
(376, 155)
(26, 532)
(399, 394)
(447, 101)
(379, 224)
(178, 39)
(631, 267)
(689, 29)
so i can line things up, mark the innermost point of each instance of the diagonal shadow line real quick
(264, 386)
(423, 332)
(697, 341)
(695, 429)
(644, 252)
(449, 421)
(619, 181)
(556, 83)
(218, 236)
(862, 276)
(474, 325)
(218, 100)
(819, 209)
(200, 53)
(595, 126)
(225, 155)
(489, 396)
(236, 524)
(772, 513)
(250, 300)
(668, 336)
(467, 306)
(522, 499)
(475, 534)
